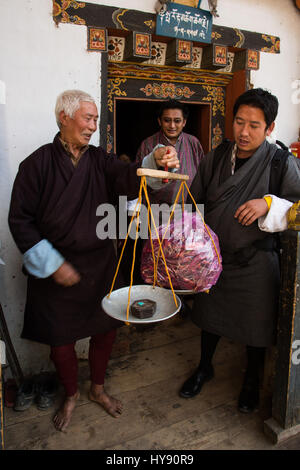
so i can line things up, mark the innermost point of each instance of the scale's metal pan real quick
(184, 292)
(116, 305)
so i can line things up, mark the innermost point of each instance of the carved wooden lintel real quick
(90, 14)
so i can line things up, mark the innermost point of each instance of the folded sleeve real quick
(276, 219)
(42, 260)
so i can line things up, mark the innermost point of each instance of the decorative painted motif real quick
(228, 68)
(241, 37)
(275, 48)
(294, 217)
(216, 95)
(113, 88)
(142, 44)
(150, 24)
(158, 53)
(109, 139)
(172, 74)
(215, 35)
(217, 136)
(253, 60)
(184, 52)
(115, 48)
(65, 17)
(116, 17)
(220, 56)
(196, 58)
(97, 39)
(167, 90)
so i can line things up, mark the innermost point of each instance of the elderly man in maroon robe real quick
(53, 220)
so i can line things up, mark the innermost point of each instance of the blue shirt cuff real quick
(42, 260)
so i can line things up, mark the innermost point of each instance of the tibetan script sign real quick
(183, 22)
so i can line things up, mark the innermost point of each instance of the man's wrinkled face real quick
(250, 130)
(79, 129)
(172, 123)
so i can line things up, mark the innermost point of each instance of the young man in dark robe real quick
(53, 219)
(241, 211)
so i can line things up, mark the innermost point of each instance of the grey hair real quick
(69, 102)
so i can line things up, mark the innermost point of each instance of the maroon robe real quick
(53, 200)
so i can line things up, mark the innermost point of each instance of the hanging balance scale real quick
(145, 303)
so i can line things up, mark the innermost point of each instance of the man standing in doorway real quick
(172, 118)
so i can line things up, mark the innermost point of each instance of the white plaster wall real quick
(39, 60)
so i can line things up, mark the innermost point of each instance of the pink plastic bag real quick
(192, 255)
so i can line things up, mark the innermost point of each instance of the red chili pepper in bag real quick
(192, 254)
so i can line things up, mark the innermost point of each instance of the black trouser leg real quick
(209, 343)
(205, 372)
(249, 396)
(255, 357)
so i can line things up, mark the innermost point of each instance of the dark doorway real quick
(137, 119)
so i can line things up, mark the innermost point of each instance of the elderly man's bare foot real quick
(63, 416)
(111, 405)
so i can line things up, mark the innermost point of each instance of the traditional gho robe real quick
(243, 304)
(189, 153)
(53, 200)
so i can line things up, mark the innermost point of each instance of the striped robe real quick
(190, 154)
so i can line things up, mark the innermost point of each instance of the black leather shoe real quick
(249, 397)
(194, 384)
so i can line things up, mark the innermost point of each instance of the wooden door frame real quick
(204, 135)
(133, 81)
